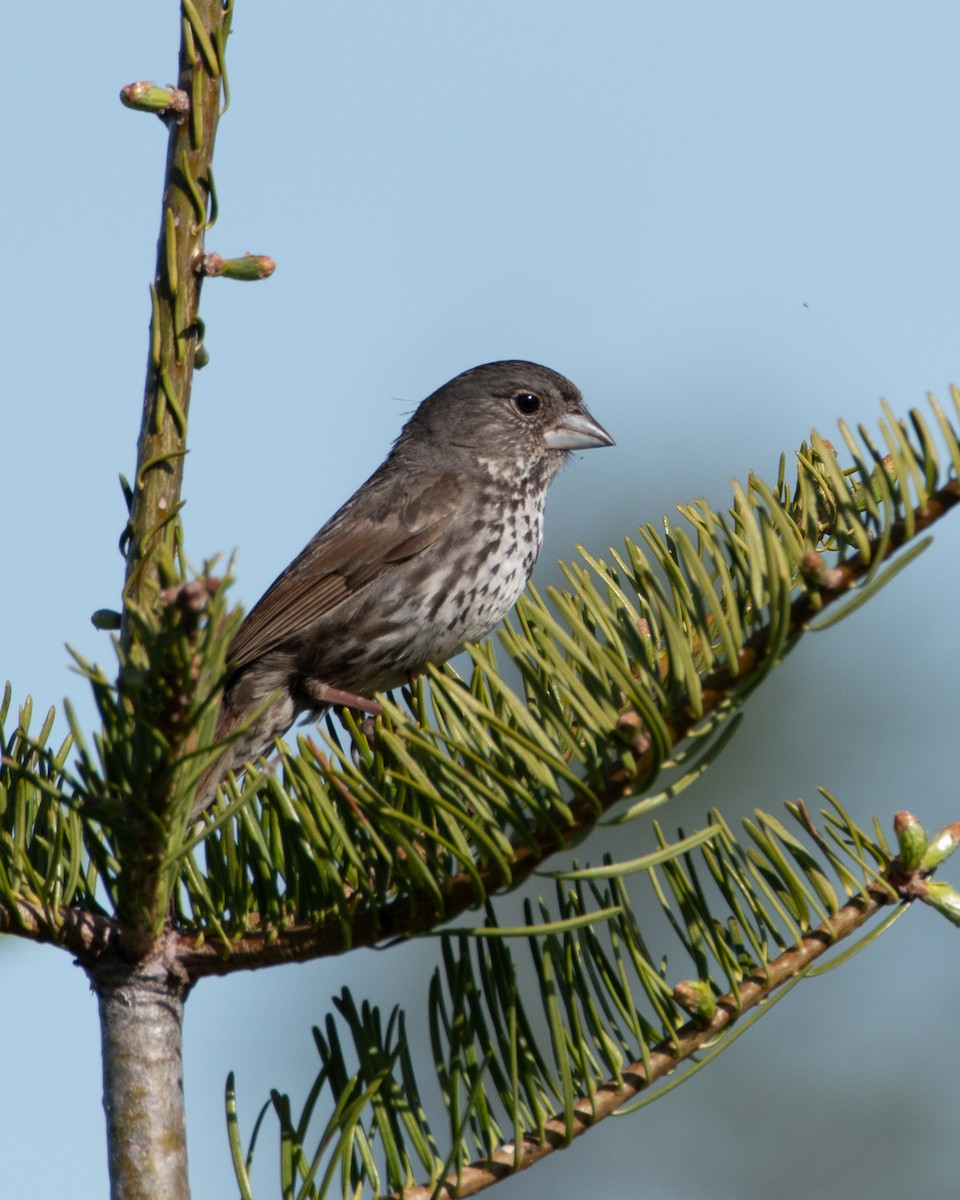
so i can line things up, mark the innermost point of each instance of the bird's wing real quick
(364, 539)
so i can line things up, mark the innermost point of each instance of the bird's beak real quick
(577, 431)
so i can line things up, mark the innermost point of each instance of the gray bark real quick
(141, 1020)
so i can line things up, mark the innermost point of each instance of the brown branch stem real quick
(87, 935)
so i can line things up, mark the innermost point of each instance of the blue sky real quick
(728, 224)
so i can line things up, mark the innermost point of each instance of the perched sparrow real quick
(430, 553)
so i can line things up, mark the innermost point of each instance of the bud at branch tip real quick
(249, 267)
(149, 97)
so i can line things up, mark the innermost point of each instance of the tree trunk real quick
(141, 1020)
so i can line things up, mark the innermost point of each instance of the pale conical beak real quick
(577, 431)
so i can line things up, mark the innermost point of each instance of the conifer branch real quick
(527, 1061)
(175, 327)
(415, 910)
(663, 1059)
(86, 935)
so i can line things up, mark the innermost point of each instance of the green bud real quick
(911, 838)
(944, 899)
(148, 97)
(941, 846)
(249, 267)
(696, 996)
(105, 618)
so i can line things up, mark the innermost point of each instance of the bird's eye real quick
(526, 403)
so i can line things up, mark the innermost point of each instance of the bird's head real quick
(504, 417)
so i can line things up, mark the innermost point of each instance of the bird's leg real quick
(323, 694)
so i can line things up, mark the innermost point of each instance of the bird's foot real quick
(322, 694)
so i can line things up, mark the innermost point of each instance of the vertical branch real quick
(175, 296)
(141, 1021)
(141, 998)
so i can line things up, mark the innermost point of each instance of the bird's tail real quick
(245, 735)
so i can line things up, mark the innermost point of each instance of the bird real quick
(429, 554)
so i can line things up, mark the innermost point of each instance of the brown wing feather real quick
(346, 556)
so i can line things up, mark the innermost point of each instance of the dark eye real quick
(526, 403)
